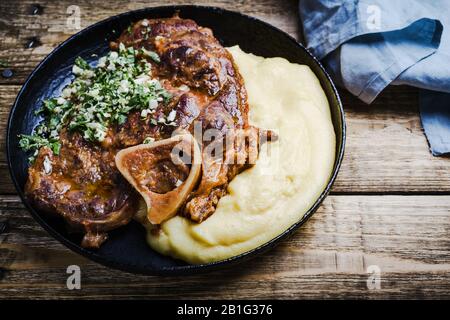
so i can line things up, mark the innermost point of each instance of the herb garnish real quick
(98, 97)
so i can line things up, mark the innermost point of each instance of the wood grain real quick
(390, 205)
(405, 236)
(7, 95)
(391, 124)
(386, 149)
(50, 28)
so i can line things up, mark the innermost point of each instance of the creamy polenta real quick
(289, 174)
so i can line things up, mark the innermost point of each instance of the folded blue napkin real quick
(367, 45)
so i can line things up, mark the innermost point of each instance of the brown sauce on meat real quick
(85, 186)
(154, 170)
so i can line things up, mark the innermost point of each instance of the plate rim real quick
(189, 268)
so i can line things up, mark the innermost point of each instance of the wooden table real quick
(389, 207)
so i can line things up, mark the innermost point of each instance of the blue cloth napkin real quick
(367, 45)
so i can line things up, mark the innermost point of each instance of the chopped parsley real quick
(99, 97)
(35, 142)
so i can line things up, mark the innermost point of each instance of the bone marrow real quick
(163, 172)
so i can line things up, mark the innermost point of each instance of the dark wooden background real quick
(389, 206)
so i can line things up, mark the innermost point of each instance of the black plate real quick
(126, 248)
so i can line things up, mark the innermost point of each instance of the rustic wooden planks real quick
(49, 28)
(386, 150)
(391, 124)
(390, 204)
(405, 236)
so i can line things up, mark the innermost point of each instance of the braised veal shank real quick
(83, 183)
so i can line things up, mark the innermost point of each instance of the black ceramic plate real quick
(126, 248)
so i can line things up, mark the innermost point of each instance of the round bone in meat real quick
(163, 172)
